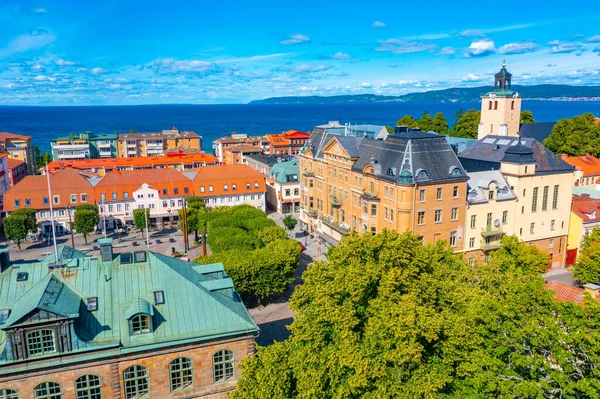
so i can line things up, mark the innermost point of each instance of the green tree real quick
(15, 228)
(387, 317)
(195, 205)
(439, 124)
(406, 120)
(272, 233)
(527, 117)
(86, 219)
(41, 160)
(289, 222)
(458, 114)
(467, 125)
(29, 218)
(587, 266)
(139, 221)
(425, 123)
(389, 129)
(576, 136)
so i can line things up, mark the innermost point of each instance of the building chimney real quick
(592, 289)
(106, 250)
(4, 259)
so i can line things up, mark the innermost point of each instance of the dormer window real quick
(491, 195)
(40, 342)
(140, 324)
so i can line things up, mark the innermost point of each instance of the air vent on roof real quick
(126, 258)
(22, 276)
(140, 256)
(4, 315)
(159, 297)
(92, 304)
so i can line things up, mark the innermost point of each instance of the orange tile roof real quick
(219, 175)
(584, 206)
(35, 187)
(239, 140)
(130, 180)
(283, 139)
(566, 293)
(171, 159)
(588, 163)
(182, 149)
(243, 148)
(14, 163)
(7, 135)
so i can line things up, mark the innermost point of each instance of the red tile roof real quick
(588, 163)
(6, 135)
(284, 138)
(565, 293)
(129, 181)
(219, 175)
(111, 163)
(14, 163)
(585, 207)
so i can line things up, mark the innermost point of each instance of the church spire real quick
(503, 78)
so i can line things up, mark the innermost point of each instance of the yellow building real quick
(155, 144)
(17, 146)
(500, 108)
(411, 181)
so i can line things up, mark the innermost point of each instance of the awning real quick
(328, 240)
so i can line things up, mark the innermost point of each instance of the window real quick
(201, 189)
(471, 242)
(545, 198)
(422, 195)
(534, 200)
(56, 199)
(453, 239)
(552, 225)
(504, 217)
(135, 380)
(248, 185)
(421, 217)
(181, 374)
(114, 196)
(88, 387)
(223, 366)
(495, 104)
(489, 220)
(532, 228)
(40, 342)
(159, 297)
(17, 203)
(126, 195)
(42, 214)
(186, 190)
(471, 261)
(256, 185)
(439, 193)
(9, 394)
(455, 192)
(111, 208)
(234, 187)
(27, 202)
(103, 197)
(491, 194)
(175, 190)
(438, 216)
(225, 187)
(73, 198)
(46, 200)
(473, 221)
(92, 304)
(555, 198)
(165, 191)
(140, 324)
(48, 390)
(550, 243)
(523, 209)
(211, 188)
(373, 210)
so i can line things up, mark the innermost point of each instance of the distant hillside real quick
(459, 94)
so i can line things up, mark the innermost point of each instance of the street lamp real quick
(69, 209)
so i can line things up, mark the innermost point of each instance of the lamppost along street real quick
(69, 209)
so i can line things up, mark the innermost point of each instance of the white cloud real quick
(471, 33)
(169, 65)
(23, 43)
(98, 71)
(79, 70)
(253, 58)
(341, 56)
(480, 48)
(307, 69)
(366, 85)
(518, 48)
(295, 39)
(43, 78)
(593, 39)
(401, 46)
(40, 10)
(378, 24)
(61, 62)
(471, 78)
(558, 47)
(406, 82)
(446, 51)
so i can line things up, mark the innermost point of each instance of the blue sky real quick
(142, 52)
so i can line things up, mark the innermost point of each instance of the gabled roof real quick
(14, 163)
(319, 141)
(566, 293)
(65, 253)
(479, 183)
(487, 154)
(282, 170)
(219, 175)
(50, 294)
(588, 163)
(131, 180)
(586, 208)
(6, 135)
(539, 130)
(269, 159)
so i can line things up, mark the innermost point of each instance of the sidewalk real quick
(314, 248)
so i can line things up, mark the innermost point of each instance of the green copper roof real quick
(200, 303)
(282, 172)
(105, 241)
(64, 253)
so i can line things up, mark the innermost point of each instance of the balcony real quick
(490, 245)
(104, 145)
(369, 196)
(335, 201)
(491, 231)
(72, 156)
(308, 173)
(311, 213)
(339, 227)
(68, 147)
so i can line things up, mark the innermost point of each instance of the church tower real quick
(500, 108)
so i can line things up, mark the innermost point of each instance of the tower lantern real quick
(502, 79)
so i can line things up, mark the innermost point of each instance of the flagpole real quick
(52, 215)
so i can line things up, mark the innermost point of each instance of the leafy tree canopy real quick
(406, 120)
(576, 136)
(527, 117)
(467, 125)
(289, 222)
(425, 123)
(139, 221)
(587, 267)
(386, 317)
(439, 123)
(86, 219)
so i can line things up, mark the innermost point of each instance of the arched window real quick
(181, 373)
(495, 104)
(223, 366)
(512, 104)
(490, 107)
(40, 342)
(88, 387)
(48, 390)
(9, 394)
(140, 324)
(135, 380)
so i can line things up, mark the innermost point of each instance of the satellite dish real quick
(497, 222)
(515, 94)
(93, 170)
